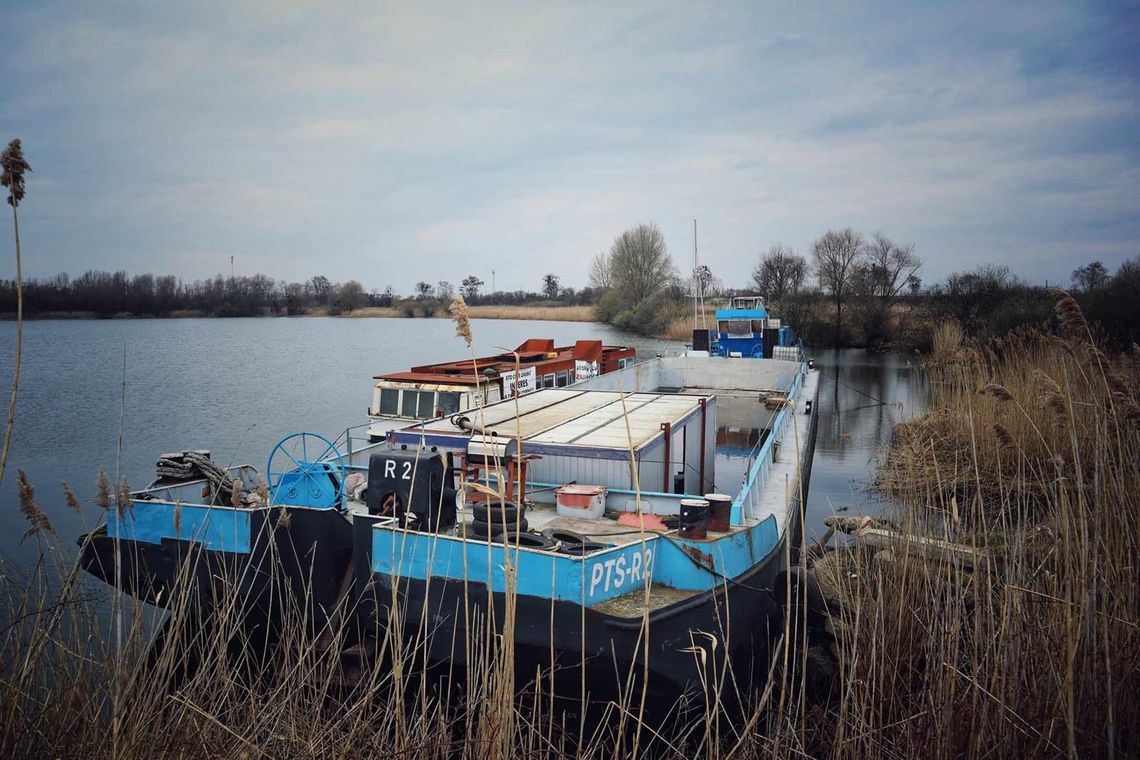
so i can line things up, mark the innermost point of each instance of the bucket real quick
(581, 502)
(694, 518)
(720, 511)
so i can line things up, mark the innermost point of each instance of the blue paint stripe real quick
(588, 580)
(223, 529)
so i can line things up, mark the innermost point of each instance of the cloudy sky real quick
(397, 142)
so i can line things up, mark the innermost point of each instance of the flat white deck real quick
(578, 418)
(779, 492)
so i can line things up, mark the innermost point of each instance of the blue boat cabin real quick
(744, 329)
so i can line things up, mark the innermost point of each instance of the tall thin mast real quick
(696, 275)
(698, 286)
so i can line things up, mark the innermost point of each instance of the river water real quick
(236, 386)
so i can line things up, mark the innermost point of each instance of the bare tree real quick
(348, 296)
(1091, 277)
(780, 273)
(424, 290)
(639, 263)
(470, 287)
(444, 291)
(888, 268)
(321, 289)
(836, 257)
(550, 287)
(601, 273)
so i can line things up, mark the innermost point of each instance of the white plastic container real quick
(581, 502)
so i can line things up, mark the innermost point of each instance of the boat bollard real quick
(694, 519)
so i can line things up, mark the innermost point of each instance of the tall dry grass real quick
(550, 313)
(1029, 457)
(553, 313)
(681, 328)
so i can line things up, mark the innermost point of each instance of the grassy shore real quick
(1028, 643)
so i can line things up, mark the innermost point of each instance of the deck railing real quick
(747, 503)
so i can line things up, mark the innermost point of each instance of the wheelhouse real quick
(432, 391)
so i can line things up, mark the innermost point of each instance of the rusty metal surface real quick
(702, 558)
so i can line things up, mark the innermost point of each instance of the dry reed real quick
(1035, 652)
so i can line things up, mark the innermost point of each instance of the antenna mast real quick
(698, 285)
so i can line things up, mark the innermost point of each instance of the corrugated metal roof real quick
(581, 418)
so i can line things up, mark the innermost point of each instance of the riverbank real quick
(997, 610)
(546, 313)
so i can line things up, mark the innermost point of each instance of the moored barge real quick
(594, 512)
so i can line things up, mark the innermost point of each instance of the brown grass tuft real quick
(946, 341)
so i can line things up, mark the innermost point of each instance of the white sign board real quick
(526, 382)
(584, 370)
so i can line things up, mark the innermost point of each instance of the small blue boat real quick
(594, 512)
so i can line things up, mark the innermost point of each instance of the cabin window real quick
(562, 379)
(426, 410)
(625, 362)
(389, 401)
(736, 328)
(547, 381)
(408, 408)
(448, 402)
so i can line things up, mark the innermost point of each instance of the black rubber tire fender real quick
(526, 540)
(494, 512)
(483, 529)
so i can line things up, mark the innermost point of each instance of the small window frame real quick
(389, 405)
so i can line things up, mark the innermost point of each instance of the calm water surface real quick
(236, 386)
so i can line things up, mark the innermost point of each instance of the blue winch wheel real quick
(309, 482)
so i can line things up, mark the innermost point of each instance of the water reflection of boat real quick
(737, 442)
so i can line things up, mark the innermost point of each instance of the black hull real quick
(744, 616)
(305, 556)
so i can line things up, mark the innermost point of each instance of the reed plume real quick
(1052, 397)
(70, 498)
(459, 313)
(34, 516)
(1069, 312)
(14, 166)
(1004, 437)
(122, 497)
(998, 391)
(103, 491)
